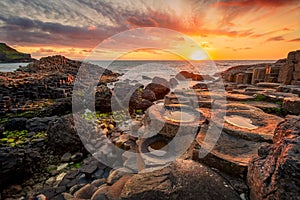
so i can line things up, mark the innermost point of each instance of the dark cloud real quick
(295, 40)
(27, 31)
(277, 38)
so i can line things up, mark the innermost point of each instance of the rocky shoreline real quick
(255, 156)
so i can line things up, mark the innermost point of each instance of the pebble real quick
(51, 167)
(60, 176)
(243, 196)
(98, 173)
(62, 166)
(77, 157)
(50, 181)
(66, 157)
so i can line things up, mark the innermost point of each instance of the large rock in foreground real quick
(274, 174)
(62, 134)
(184, 179)
(17, 163)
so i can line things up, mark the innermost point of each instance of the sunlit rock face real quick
(274, 173)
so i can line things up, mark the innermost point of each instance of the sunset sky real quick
(225, 29)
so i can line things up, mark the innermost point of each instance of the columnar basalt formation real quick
(48, 78)
(274, 172)
(286, 72)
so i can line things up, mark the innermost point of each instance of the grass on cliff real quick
(10, 53)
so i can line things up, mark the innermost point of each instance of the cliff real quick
(10, 55)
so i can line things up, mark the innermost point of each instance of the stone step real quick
(170, 122)
(225, 152)
(251, 125)
(264, 105)
(268, 85)
(238, 97)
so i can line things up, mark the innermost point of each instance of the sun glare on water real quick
(198, 55)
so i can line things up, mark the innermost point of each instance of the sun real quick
(198, 55)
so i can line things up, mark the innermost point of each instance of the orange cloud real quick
(295, 40)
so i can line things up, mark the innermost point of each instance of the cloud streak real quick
(277, 38)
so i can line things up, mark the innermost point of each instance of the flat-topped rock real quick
(263, 105)
(268, 85)
(168, 122)
(248, 124)
(203, 103)
(212, 95)
(238, 97)
(176, 99)
(253, 90)
(227, 153)
(237, 106)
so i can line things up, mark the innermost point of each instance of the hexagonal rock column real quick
(226, 152)
(169, 121)
(229, 150)
(248, 124)
(258, 75)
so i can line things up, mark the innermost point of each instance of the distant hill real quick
(10, 55)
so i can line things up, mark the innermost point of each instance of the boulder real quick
(183, 75)
(173, 82)
(62, 135)
(137, 101)
(274, 173)
(17, 163)
(148, 95)
(184, 179)
(159, 86)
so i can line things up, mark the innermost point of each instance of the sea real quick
(143, 70)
